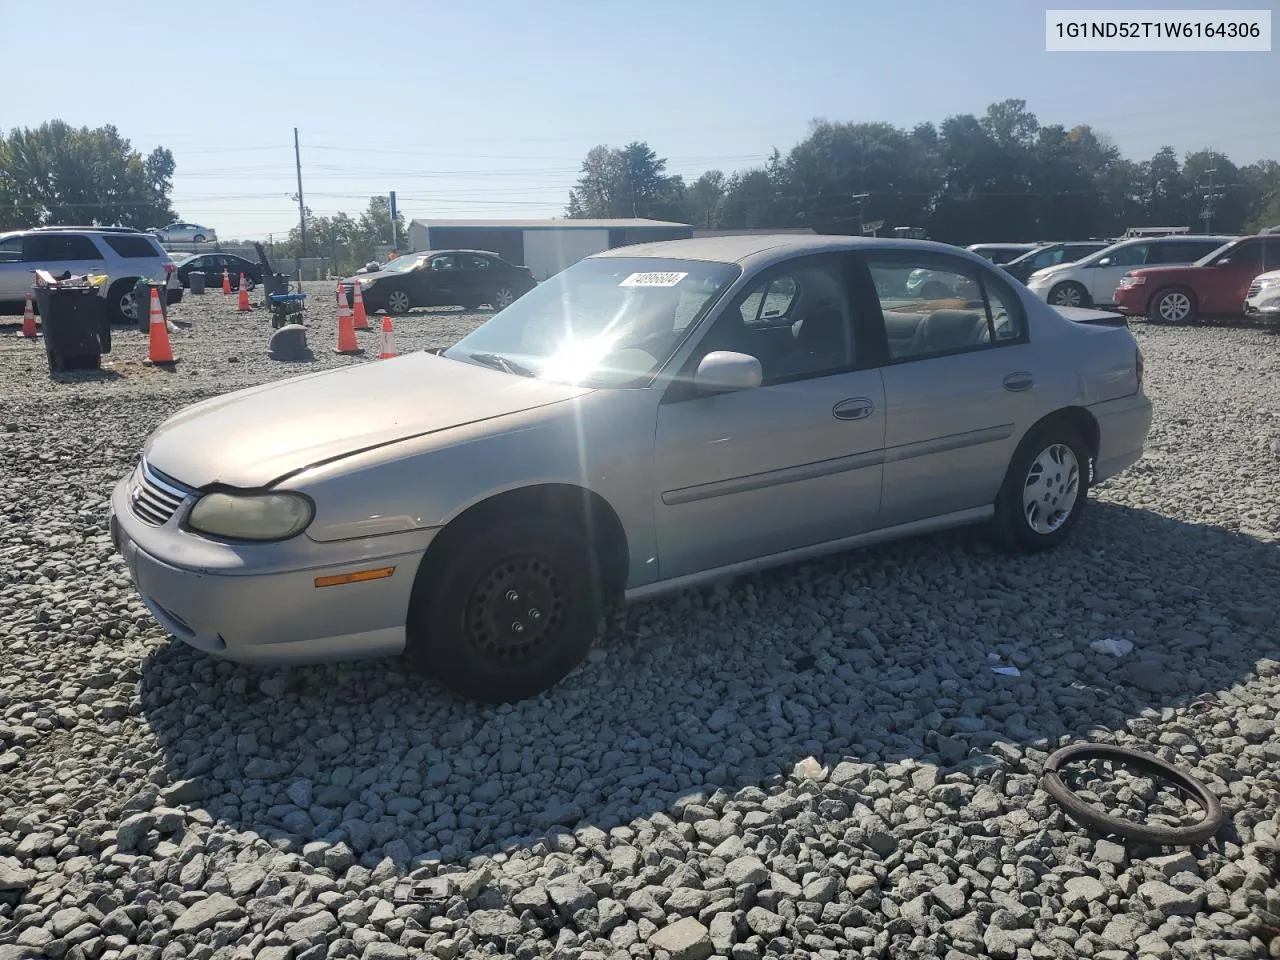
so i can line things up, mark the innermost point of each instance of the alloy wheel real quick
(1174, 307)
(1067, 296)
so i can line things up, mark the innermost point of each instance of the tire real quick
(1056, 453)
(1173, 305)
(462, 628)
(502, 298)
(120, 302)
(198, 238)
(398, 302)
(1069, 294)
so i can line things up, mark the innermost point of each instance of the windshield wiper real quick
(499, 362)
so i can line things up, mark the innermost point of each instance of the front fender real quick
(602, 441)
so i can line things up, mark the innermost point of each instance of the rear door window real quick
(133, 247)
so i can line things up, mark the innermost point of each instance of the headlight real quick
(256, 516)
(1127, 282)
(1269, 283)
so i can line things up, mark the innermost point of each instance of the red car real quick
(1215, 285)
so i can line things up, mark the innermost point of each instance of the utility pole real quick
(1211, 195)
(395, 233)
(302, 210)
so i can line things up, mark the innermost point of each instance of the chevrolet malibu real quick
(651, 418)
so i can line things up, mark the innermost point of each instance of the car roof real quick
(754, 249)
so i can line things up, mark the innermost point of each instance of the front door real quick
(440, 283)
(1103, 280)
(793, 462)
(962, 385)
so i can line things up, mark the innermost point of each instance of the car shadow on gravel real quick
(874, 657)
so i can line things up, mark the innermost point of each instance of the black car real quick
(441, 278)
(1050, 255)
(212, 265)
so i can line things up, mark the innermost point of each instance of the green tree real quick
(703, 198)
(626, 182)
(59, 174)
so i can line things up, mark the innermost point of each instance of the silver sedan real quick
(651, 418)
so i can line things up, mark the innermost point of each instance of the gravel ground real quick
(817, 761)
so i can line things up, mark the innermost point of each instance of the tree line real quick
(1001, 176)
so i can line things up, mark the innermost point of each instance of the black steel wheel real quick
(503, 610)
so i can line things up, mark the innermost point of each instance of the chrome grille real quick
(1254, 290)
(155, 498)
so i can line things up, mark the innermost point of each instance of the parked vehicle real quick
(1262, 300)
(1001, 252)
(1215, 285)
(212, 265)
(1093, 279)
(1051, 255)
(441, 278)
(186, 233)
(651, 417)
(125, 255)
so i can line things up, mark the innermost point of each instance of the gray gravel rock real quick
(686, 939)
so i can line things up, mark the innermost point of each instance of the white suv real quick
(125, 255)
(1093, 279)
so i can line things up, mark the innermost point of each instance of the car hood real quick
(255, 437)
(368, 278)
(1165, 270)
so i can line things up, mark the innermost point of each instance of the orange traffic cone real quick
(388, 340)
(28, 319)
(226, 282)
(361, 317)
(160, 351)
(244, 295)
(346, 329)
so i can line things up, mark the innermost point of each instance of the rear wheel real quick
(502, 298)
(1175, 305)
(1069, 294)
(1045, 488)
(122, 305)
(508, 611)
(198, 238)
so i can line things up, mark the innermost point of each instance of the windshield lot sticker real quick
(653, 279)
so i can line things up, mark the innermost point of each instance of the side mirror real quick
(723, 371)
(1104, 262)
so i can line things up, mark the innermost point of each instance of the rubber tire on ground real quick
(497, 295)
(114, 295)
(391, 309)
(198, 238)
(1010, 524)
(1090, 816)
(1153, 311)
(437, 644)
(1085, 299)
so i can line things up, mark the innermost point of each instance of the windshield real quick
(604, 322)
(401, 264)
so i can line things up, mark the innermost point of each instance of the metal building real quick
(544, 246)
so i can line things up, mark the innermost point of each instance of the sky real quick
(487, 109)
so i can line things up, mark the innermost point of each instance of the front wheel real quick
(502, 298)
(1069, 294)
(508, 612)
(1174, 305)
(398, 302)
(1045, 488)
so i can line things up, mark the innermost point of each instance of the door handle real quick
(857, 408)
(1017, 382)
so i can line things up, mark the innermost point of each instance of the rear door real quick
(62, 252)
(963, 383)
(476, 279)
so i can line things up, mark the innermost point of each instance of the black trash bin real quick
(196, 281)
(142, 303)
(76, 326)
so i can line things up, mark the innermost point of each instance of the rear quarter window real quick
(134, 248)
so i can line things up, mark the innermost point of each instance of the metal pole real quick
(395, 234)
(302, 210)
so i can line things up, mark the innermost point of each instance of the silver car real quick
(186, 233)
(652, 417)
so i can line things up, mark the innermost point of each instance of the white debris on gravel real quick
(816, 761)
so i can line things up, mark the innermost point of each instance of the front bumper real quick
(1123, 425)
(271, 615)
(1263, 308)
